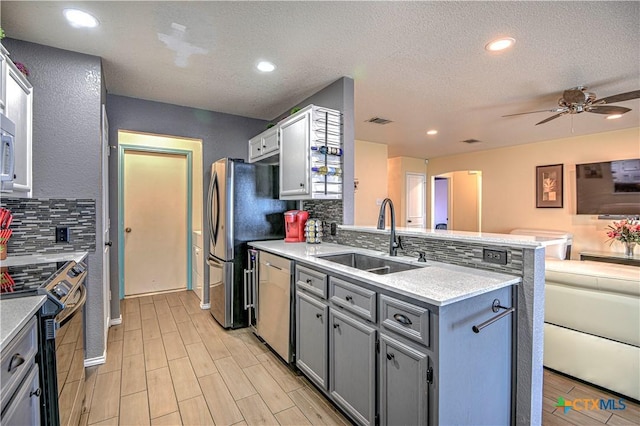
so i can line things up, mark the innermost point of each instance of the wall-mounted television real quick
(608, 187)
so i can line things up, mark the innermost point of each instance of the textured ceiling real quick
(420, 64)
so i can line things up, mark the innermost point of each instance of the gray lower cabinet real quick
(20, 386)
(352, 366)
(403, 383)
(24, 408)
(312, 316)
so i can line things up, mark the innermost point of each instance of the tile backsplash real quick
(329, 211)
(35, 221)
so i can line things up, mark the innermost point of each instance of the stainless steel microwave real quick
(7, 152)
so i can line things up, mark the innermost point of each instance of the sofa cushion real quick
(598, 298)
(606, 363)
(601, 276)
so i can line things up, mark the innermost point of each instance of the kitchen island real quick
(400, 348)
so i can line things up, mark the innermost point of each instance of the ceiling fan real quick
(577, 100)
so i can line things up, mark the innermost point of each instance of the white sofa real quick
(592, 318)
(592, 323)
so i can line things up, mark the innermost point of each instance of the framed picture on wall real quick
(549, 186)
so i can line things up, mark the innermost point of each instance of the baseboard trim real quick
(95, 361)
(116, 321)
(205, 305)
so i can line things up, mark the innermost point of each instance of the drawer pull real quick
(318, 315)
(402, 319)
(16, 361)
(390, 356)
(349, 298)
(336, 325)
(309, 281)
(36, 392)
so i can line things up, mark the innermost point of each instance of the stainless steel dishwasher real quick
(272, 303)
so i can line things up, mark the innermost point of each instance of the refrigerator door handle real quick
(214, 217)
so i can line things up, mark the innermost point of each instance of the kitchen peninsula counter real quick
(437, 283)
(511, 240)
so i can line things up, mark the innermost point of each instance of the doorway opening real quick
(159, 207)
(456, 201)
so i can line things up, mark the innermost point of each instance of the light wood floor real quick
(170, 363)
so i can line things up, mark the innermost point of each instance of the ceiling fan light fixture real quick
(613, 116)
(80, 19)
(265, 66)
(432, 132)
(500, 44)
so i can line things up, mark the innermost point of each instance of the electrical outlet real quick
(499, 257)
(62, 234)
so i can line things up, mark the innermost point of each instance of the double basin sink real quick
(373, 264)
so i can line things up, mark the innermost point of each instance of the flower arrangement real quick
(22, 68)
(626, 231)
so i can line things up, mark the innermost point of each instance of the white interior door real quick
(416, 206)
(106, 276)
(155, 222)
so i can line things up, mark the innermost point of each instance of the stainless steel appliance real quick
(60, 342)
(243, 206)
(273, 304)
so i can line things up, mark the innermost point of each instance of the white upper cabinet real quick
(264, 146)
(17, 104)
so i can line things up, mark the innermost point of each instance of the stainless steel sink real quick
(376, 265)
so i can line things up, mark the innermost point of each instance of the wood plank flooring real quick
(170, 363)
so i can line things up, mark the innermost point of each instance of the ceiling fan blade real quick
(553, 117)
(608, 109)
(532, 112)
(620, 97)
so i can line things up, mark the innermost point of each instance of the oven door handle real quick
(75, 308)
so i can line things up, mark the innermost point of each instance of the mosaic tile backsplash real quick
(454, 252)
(329, 211)
(35, 220)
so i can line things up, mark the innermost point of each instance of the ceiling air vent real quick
(378, 120)
(471, 141)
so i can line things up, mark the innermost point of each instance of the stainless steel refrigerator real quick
(243, 206)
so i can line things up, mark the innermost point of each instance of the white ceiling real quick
(420, 64)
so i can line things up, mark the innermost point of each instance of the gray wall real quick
(67, 92)
(223, 135)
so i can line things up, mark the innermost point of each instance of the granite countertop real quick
(512, 240)
(38, 258)
(15, 313)
(438, 283)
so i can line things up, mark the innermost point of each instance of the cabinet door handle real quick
(390, 356)
(309, 281)
(301, 185)
(336, 325)
(16, 361)
(318, 315)
(348, 298)
(36, 392)
(402, 319)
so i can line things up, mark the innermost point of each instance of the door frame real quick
(122, 149)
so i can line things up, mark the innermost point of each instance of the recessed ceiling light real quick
(265, 66)
(79, 19)
(613, 116)
(432, 132)
(500, 44)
